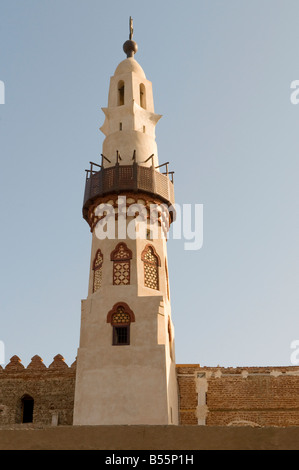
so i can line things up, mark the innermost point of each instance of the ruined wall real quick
(255, 396)
(52, 389)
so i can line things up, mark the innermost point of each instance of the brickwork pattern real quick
(261, 396)
(187, 394)
(213, 396)
(52, 389)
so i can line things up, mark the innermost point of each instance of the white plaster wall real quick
(130, 127)
(134, 384)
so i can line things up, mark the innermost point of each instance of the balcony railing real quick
(133, 178)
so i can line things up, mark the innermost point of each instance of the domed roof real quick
(129, 65)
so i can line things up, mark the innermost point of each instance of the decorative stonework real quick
(97, 271)
(121, 257)
(120, 317)
(58, 363)
(36, 363)
(122, 178)
(151, 262)
(121, 273)
(151, 277)
(163, 217)
(120, 314)
(14, 364)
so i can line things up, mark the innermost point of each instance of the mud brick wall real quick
(188, 398)
(52, 389)
(210, 396)
(254, 396)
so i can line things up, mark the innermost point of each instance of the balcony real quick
(131, 178)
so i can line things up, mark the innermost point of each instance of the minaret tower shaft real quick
(126, 360)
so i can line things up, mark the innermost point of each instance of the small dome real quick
(128, 66)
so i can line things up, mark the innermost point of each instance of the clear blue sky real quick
(221, 73)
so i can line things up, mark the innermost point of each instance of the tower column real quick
(126, 357)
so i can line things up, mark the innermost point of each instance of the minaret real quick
(126, 360)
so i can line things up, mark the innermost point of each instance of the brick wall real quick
(52, 389)
(211, 396)
(188, 399)
(261, 396)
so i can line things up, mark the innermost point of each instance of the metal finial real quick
(131, 29)
(130, 47)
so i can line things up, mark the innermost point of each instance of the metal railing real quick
(133, 178)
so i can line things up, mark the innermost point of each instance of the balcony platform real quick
(132, 178)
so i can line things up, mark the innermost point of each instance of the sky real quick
(221, 74)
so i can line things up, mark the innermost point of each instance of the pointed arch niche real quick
(97, 271)
(151, 261)
(120, 317)
(121, 257)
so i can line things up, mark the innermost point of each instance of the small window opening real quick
(142, 96)
(121, 93)
(27, 409)
(143, 129)
(120, 126)
(121, 335)
(120, 318)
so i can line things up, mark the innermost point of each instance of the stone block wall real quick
(52, 389)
